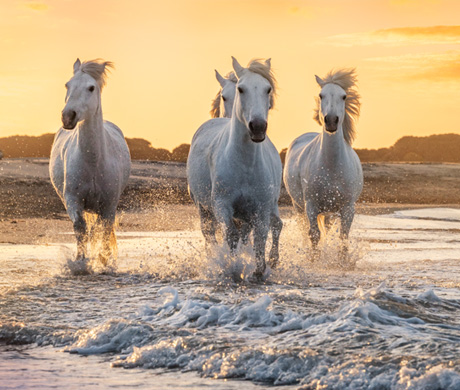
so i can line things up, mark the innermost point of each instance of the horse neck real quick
(240, 144)
(333, 147)
(91, 137)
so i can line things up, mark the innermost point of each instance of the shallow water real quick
(171, 316)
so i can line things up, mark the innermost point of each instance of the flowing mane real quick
(215, 106)
(97, 69)
(346, 79)
(260, 67)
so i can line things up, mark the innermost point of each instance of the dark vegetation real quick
(434, 148)
(18, 146)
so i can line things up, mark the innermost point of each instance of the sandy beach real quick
(156, 198)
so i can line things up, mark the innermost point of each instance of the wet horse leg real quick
(108, 238)
(346, 219)
(276, 226)
(224, 217)
(208, 225)
(314, 231)
(80, 228)
(260, 239)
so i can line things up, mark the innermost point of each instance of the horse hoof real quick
(257, 277)
(273, 260)
(273, 263)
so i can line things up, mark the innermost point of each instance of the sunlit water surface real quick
(171, 316)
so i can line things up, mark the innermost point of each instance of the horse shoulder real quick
(209, 129)
(201, 157)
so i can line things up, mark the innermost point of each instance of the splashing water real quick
(172, 311)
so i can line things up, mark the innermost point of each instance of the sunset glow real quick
(407, 55)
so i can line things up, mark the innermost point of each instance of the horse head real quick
(254, 96)
(338, 105)
(83, 97)
(226, 94)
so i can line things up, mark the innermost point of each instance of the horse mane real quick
(346, 79)
(98, 70)
(215, 105)
(260, 67)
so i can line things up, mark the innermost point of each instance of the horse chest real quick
(329, 193)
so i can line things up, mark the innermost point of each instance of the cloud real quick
(400, 36)
(421, 67)
(36, 6)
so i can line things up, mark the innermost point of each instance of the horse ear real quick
(220, 79)
(268, 62)
(319, 80)
(76, 66)
(237, 67)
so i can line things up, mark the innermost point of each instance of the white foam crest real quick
(155, 345)
(437, 377)
(257, 314)
(200, 314)
(165, 353)
(112, 336)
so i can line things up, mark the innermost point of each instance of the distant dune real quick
(434, 148)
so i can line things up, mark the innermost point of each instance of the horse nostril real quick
(331, 119)
(258, 126)
(72, 115)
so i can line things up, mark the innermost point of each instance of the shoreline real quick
(168, 217)
(157, 197)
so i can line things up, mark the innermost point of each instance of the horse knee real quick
(232, 236)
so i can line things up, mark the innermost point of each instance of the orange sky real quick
(407, 55)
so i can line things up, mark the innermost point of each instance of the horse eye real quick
(240, 90)
(269, 90)
(91, 89)
(344, 97)
(320, 96)
(224, 98)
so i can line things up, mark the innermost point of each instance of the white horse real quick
(322, 173)
(222, 105)
(90, 162)
(234, 171)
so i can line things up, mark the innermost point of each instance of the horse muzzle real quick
(69, 119)
(257, 130)
(331, 123)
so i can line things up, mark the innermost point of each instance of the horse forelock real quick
(231, 76)
(347, 80)
(261, 68)
(98, 69)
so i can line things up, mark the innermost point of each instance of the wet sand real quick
(156, 198)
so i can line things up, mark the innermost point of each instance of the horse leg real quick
(80, 229)
(109, 240)
(245, 231)
(276, 226)
(208, 225)
(224, 216)
(314, 232)
(347, 215)
(260, 239)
